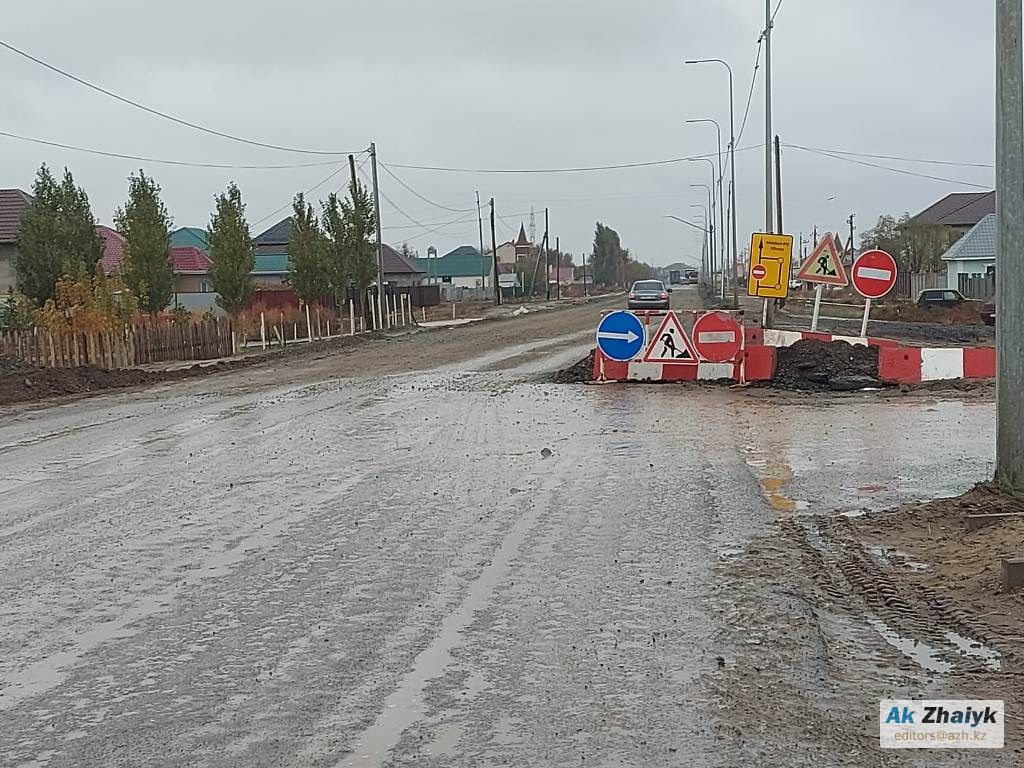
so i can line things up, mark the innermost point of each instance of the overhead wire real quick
(421, 197)
(902, 171)
(164, 161)
(581, 169)
(315, 187)
(164, 115)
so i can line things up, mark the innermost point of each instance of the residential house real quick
(514, 251)
(273, 265)
(190, 236)
(463, 267)
(960, 211)
(190, 264)
(973, 255)
(13, 204)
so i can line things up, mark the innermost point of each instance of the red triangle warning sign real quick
(670, 344)
(824, 265)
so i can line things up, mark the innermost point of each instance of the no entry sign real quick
(717, 337)
(874, 274)
(759, 272)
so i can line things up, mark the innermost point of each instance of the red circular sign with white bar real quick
(874, 274)
(759, 272)
(717, 337)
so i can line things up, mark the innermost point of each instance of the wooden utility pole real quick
(494, 259)
(352, 170)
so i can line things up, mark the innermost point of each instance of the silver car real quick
(649, 294)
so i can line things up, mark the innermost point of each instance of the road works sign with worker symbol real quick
(670, 344)
(620, 336)
(770, 259)
(824, 265)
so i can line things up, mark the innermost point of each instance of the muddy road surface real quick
(432, 556)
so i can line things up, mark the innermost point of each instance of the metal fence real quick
(977, 286)
(910, 284)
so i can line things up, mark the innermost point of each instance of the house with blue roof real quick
(973, 255)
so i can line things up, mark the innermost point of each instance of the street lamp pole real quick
(711, 220)
(723, 240)
(732, 171)
(705, 249)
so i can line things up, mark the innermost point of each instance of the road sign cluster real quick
(770, 260)
(717, 338)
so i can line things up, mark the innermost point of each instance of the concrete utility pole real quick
(483, 262)
(768, 319)
(558, 268)
(494, 258)
(715, 259)
(709, 222)
(1009, 249)
(380, 240)
(547, 262)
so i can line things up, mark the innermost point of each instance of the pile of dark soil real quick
(820, 366)
(577, 373)
(22, 382)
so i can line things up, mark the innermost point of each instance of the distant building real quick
(191, 266)
(463, 267)
(974, 254)
(960, 211)
(13, 204)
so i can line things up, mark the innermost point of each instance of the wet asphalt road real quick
(461, 567)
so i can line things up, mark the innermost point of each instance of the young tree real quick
(307, 252)
(360, 220)
(231, 252)
(146, 227)
(336, 266)
(57, 236)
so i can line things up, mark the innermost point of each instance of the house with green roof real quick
(464, 267)
(190, 237)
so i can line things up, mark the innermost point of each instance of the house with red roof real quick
(190, 263)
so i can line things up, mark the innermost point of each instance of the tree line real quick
(58, 246)
(917, 246)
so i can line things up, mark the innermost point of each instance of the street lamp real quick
(723, 239)
(710, 219)
(721, 260)
(706, 255)
(703, 256)
(732, 171)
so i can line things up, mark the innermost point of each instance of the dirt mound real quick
(577, 373)
(821, 366)
(22, 382)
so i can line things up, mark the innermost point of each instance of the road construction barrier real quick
(754, 358)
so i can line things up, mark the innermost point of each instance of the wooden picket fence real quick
(135, 344)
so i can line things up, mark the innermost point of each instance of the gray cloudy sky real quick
(524, 84)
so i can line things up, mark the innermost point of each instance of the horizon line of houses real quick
(464, 267)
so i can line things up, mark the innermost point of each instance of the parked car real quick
(649, 294)
(940, 297)
(988, 312)
(796, 285)
(690, 276)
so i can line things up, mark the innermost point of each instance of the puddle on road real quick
(975, 650)
(930, 656)
(923, 655)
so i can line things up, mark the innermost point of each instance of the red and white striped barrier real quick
(756, 364)
(914, 365)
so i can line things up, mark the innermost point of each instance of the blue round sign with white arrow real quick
(620, 336)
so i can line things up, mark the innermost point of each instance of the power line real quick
(753, 83)
(585, 169)
(952, 163)
(140, 158)
(315, 187)
(427, 200)
(890, 169)
(158, 113)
